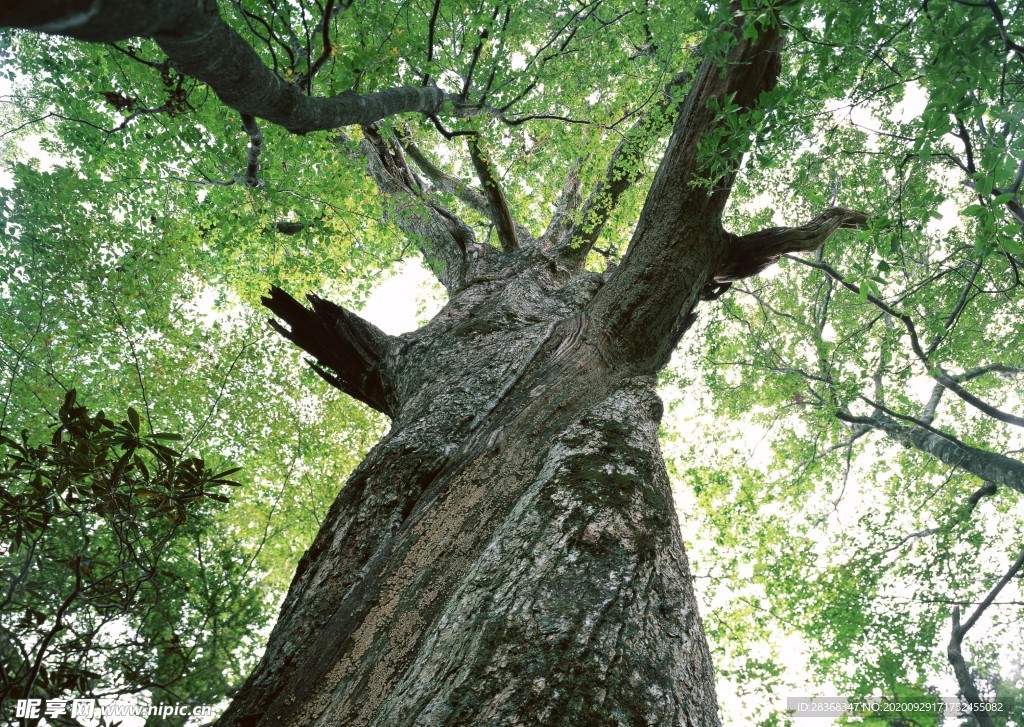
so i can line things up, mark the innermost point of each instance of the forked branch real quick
(954, 650)
(678, 244)
(936, 371)
(454, 186)
(446, 241)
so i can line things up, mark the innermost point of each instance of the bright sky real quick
(403, 301)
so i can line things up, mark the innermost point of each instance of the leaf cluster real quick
(97, 524)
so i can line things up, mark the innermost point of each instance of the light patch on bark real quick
(68, 24)
(583, 575)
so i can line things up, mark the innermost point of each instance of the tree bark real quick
(509, 553)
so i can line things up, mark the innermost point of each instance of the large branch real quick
(202, 45)
(679, 245)
(339, 340)
(988, 466)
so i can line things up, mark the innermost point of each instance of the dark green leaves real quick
(98, 519)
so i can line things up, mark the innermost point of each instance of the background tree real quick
(516, 518)
(107, 521)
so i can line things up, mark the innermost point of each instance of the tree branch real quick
(750, 254)
(988, 466)
(1013, 205)
(340, 340)
(679, 245)
(569, 201)
(737, 81)
(455, 186)
(934, 370)
(496, 202)
(202, 45)
(252, 163)
(954, 651)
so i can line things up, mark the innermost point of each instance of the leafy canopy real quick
(137, 242)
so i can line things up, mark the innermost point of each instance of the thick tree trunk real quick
(509, 553)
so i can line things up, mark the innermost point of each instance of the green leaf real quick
(134, 423)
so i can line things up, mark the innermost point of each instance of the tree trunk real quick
(509, 553)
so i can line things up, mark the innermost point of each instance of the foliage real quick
(114, 256)
(859, 540)
(136, 290)
(112, 525)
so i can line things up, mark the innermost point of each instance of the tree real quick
(109, 522)
(509, 551)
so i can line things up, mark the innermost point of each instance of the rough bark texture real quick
(509, 553)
